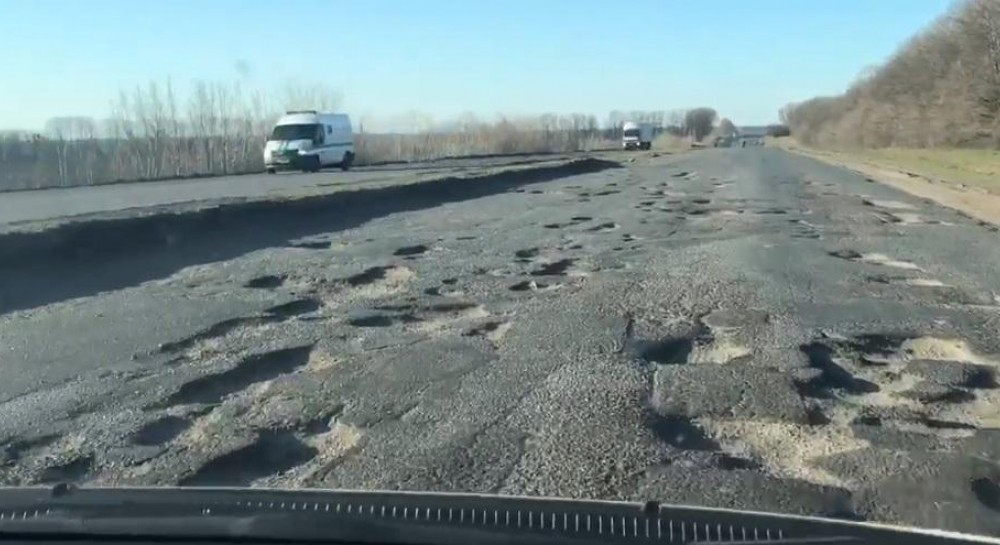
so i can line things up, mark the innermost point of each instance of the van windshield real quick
(632, 132)
(294, 132)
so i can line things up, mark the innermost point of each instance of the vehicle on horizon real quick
(308, 140)
(637, 136)
(723, 142)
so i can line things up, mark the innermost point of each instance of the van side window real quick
(320, 137)
(329, 129)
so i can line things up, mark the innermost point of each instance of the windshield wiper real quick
(301, 516)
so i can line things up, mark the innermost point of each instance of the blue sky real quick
(746, 58)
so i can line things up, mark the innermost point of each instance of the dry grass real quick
(968, 167)
(973, 167)
(915, 171)
(670, 143)
(487, 140)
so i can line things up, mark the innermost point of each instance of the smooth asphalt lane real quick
(736, 327)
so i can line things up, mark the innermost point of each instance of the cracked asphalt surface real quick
(741, 328)
(27, 207)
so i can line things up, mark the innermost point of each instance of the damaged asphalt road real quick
(737, 328)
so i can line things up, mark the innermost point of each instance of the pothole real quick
(874, 259)
(380, 281)
(295, 308)
(556, 268)
(72, 471)
(212, 388)
(667, 351)
(269, 281)
(832, 376)
(375, 274)
(886, 261)
(272, 453)
(527, 253)
(605, 227)
(375, 320)
(160, 431)
(700, 346)
(981, 377)
(533, 285)
(680, 432)
(735, 318)
(987, 491)
(412, 250)
(891, 205)
(311, 244)
(491, 331)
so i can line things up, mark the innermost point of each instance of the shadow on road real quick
(88, 257)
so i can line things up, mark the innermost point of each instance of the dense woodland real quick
(941, 88)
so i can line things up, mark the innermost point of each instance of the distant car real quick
(722, 142)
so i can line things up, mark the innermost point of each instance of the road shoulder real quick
(976, 202)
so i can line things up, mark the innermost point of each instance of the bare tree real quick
(726, 127)
(699, 122)
(299, 96)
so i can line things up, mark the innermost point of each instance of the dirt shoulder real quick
(978, 201)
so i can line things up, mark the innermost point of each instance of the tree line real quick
(221, 128)
(941, 88)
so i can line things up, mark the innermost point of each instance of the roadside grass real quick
(974, 167)
(670, 143)
(971, 167)
(962, 179)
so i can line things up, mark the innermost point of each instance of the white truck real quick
(637, 135)
(308, 140)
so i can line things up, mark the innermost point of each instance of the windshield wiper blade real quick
(403, 517)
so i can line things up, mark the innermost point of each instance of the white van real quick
(308, 141)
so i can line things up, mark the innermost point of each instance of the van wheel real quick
(347, 161)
